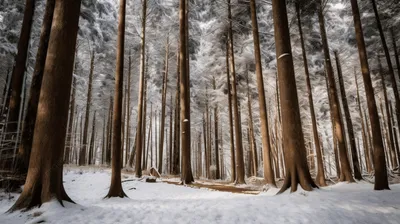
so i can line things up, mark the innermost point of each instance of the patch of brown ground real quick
(218, 187)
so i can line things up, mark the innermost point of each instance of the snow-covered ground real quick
(165, 203)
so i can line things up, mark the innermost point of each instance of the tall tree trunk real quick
(363, 129)
(128, 111)
(24, 150)
(91, 147)
(71, 120)
(149, 141)
(116, 185)
(240, 174)
(163, 106)
(268, 172)
(395, 135)
(186, 174)
(171, 121)
(139, 142)
(320, 179)
(356, 164)
(390, 140)
(18, 74)
(109, 132)
(296, 161)
(144, 115)
(208, 134)
(231, 135)
(339, 128)
(175, 160)
(44, 181)
(381, 180)
(205, 134)
(82, 153)
(252, 142)
(216, 140)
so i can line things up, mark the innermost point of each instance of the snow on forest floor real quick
(167, 203)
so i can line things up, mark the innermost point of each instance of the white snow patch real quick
(165, 203)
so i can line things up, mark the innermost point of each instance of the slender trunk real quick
(388, 121)
(239, 145)
(296, 162)
(116, 186)
(268, 172)
(395, 135)
(363, 129)
(216, 140)
(82, 153)
(109, 133)
(171, 121)
(353, 149)
(339, 128)
(91, 147)
(320, 179)
(381, 180)
(128, 111)
(18, 74)
(163, 106)
(175, 160)
(186, 174)
(44, 181)
(139, 142)
(252, 142)
(24, 150)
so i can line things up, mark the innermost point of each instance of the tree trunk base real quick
(293, 179)
(34, 198)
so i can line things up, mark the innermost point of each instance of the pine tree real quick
(44, 181)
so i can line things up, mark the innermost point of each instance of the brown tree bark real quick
(396, 55)
(381, 180)
(128, 111)
(388, 121)
(363, 129)
(139, 142)
(171, 121)
(216, 140)
(296, 162)
(395, 134)
(231, 135)
(18, 74)
(186, 174)
(205, 134)
(268, 172)
(83, 151)
(252, 143)
(163, 106)
(353, 149)
(44, 181)
(177, 143)
(339, 128)
(320, 179)
(116, 185)
(208, 134)
(240, 174)
(25, 147)
(91, 146)
(109, 132)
